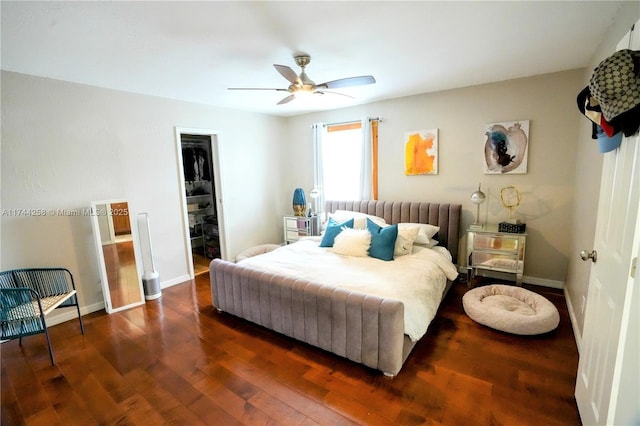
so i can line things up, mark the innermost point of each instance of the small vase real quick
(299, 202)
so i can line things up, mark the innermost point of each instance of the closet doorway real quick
(201, 197)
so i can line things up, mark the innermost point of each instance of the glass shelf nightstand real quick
(296, 227)
(491, 250)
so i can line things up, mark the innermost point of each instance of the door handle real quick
(586, 255)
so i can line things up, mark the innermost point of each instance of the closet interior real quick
(199, 187)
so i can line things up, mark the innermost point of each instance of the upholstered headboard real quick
(446, 216)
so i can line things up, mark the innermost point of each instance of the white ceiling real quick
(194, 51)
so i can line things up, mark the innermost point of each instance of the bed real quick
(367, 327)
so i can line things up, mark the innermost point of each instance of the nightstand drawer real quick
(497, 262)
(296, 222)
(496, 242)
(294, 234)
(296, 227)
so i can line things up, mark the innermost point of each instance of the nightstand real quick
(296, 227)
(491, 250)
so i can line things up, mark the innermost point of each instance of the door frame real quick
(216, 153)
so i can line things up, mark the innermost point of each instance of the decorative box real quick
(514, 228)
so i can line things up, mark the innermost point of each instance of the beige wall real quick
(65, 145)
(548, 101)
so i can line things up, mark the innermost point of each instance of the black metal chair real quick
(28, 295)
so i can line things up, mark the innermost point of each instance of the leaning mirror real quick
(116, 247)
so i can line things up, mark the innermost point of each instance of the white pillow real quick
(426, 232)
(432, 244)
(407, 233)
(359, 219)
(353, 242)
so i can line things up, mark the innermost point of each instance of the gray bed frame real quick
(363, 328)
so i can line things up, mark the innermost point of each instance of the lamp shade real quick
(478, 197)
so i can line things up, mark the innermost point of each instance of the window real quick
(342, 161)
(345, 161)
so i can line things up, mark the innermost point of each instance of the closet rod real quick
(194, 144)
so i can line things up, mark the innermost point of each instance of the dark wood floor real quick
(200, 264)
(176, 361)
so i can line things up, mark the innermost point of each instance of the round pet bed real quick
(511, 309)
(255, 250)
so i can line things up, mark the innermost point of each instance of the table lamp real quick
(315, 194)
(477, 198)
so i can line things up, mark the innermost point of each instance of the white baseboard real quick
(70, 313)
(175, 281)
(544, 282)
(572, 318)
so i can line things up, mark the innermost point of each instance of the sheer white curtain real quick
(366, 183)
(342, 161)
(319, 131)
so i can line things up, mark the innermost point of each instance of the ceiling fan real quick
(303, 85)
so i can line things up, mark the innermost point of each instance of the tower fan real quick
(150, 279)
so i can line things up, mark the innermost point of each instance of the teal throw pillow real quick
(332, 231)
(383, 240)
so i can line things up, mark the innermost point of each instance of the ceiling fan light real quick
(303, 93)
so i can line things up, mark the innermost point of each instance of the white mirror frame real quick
(95, 215)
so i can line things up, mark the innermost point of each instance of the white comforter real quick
(417, 280)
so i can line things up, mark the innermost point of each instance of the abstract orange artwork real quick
(421, 152)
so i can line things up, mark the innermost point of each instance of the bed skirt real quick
(363, 328)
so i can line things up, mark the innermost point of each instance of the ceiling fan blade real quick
(347, 82)
(287, 73)
(287, 100)
(256, 88)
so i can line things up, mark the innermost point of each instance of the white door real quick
(596, 387)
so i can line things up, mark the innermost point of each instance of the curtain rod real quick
(340, 123)
(351, 121)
